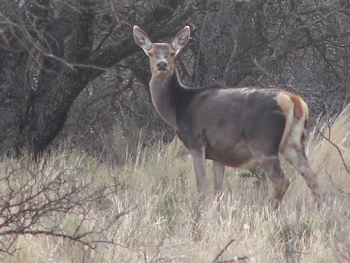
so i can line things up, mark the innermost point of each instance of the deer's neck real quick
(167, 94)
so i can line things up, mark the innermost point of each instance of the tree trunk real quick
(47, 58)
(36, 101)
(230, 37)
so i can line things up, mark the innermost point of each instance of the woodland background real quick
(90, 173)
(71, 68)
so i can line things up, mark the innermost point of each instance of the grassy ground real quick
(166, 223)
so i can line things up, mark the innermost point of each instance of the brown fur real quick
(240, 127)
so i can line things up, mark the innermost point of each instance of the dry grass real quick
(168, 224)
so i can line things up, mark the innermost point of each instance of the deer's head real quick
(162, 55)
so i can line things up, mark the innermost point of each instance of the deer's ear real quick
(142, 39)
(181, 39)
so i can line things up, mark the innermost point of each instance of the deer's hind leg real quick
(295, 155)
(263, 138)
(271, 165)
(266, 153)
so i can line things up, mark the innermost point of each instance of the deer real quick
(236, 127)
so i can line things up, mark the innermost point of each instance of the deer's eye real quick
(172, 54)
(150, 54)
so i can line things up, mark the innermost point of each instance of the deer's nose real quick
(162, 65)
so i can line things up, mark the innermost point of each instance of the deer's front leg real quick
(198, 157)
(219, 170)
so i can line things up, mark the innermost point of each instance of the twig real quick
(338, 149)
(334, 186)
(233, 260)
(223, 250)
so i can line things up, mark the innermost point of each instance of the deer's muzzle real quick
(162, 65)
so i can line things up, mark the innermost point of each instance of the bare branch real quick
(36, 204)
(223, 250)
(334, 186)
(338, 150)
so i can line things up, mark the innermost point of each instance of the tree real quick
(36, 199)
(51, 50)
(302, 46)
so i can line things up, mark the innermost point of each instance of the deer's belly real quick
(237, 155)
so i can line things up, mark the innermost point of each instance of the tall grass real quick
(167, 223)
